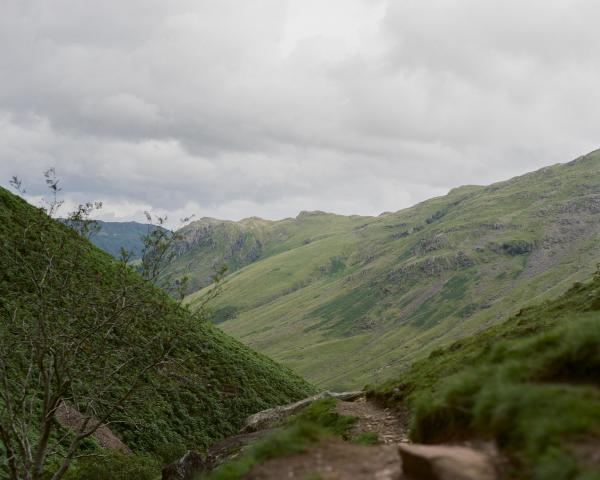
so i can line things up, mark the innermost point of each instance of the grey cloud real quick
(268, 107)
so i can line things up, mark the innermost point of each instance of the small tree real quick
(76, 332)
(161, 248)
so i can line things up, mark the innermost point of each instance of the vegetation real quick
(116, 466)
(530, 384)
(366, 438)
(113, 237)
(83, 332)
(349, 300)
(317, 421)
(208, 243)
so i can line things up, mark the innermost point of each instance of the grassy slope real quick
(218, 381)
(367, 296)
(208, 242)
(530, 383)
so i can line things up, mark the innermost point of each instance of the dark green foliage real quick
(517, 247)
(204, 390)
(294, 439)
(342, 313)
(531, 383)
(224, 313)
(115, 466)
(322, 413)
(336, 265)
(441, 306)
(365, 438)
(436, 216)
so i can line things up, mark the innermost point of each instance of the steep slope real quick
(211, 382)
(363, 301)
(529, 383)
(208, 244)
(519, 400)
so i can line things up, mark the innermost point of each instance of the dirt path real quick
(390, 427)
(335, 459)
(391, 457)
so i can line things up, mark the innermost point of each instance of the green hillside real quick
(112, 236)
(54, 288)
(350, 300)
(208, 243)
(529, 383)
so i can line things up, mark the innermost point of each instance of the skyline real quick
(266, 108)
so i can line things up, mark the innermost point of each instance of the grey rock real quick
(272, 416)
(443, 462)
(186, 468)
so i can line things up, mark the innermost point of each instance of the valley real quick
(467, 323)
(346, 301)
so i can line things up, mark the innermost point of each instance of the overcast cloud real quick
(267, 107)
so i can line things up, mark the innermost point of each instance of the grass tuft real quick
(317, 421)
(530, 384)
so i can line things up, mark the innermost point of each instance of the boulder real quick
(186, 468)
(192, 464)
(443, 462)
(71, 418)
(272, 416)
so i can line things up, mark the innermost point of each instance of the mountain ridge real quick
(366, 296)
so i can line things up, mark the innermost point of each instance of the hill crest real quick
(352, 299)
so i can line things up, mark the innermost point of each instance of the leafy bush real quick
(115, 466)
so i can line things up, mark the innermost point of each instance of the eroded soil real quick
(335, 459)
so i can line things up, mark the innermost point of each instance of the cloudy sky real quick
(233, 108)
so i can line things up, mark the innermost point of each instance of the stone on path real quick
(444, 462)
(272, 416)
(187, 467)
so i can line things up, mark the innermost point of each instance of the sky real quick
(238, 108)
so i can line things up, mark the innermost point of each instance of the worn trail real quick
(390, 426)
(391, 458)
(335, 459)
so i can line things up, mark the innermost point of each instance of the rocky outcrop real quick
(70, 417)
(186, 468)
(430, 267)
(444, 462)
(273, 416)
(193, 464)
